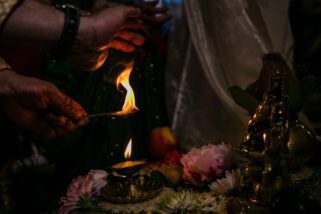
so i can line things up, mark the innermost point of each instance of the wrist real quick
(69, 31)
(84, 35)
(8, 80)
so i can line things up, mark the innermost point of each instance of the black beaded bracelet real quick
(69, 32)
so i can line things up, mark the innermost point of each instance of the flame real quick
(128, 151)
(123, 79)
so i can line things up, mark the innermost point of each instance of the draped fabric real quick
(214, 45)
(6, 6)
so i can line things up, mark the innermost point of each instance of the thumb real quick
(66, 106)
(129, 12)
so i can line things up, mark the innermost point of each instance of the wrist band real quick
(69, 32)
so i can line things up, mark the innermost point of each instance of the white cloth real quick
(213, 45)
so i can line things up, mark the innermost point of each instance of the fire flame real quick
(123, 79)
(128, 151)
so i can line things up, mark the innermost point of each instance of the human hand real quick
(112, 27)
(152, 15)
(38, 106)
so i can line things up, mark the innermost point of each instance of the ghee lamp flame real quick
(128, 164)
(264, 137)
(123, 84)
(123, 79)
(128, 151)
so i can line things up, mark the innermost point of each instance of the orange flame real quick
(128, 151)
(123, 79)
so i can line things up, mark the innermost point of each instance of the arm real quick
(33, 22)
(40, 26)
(38, 106)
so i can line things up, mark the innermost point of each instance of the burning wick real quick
(128, 163)
(123, 79)
(129, 106)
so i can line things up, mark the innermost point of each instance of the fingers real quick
(126, 41)
(156, 20)
(122, 12)
(62, 125)
(151, 9)
(131, 37)
(153, 15)
(71, 108)
(121, 45)
(133, 24)
(56, 119)
(90, 61)
(129, 12)
(64, 105)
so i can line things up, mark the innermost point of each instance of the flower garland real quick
(197, 176)
(203, 181)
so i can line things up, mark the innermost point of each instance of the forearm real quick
(6, 82)
(33, 23)
(9, 79)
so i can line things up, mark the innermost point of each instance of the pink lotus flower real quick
(206, 163)
(83, 187)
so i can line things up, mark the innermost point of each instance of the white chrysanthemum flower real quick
(189, 202)
(212, 204)
(182, 201)
(232, 180)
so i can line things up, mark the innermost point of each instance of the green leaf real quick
(85, 202)
(244, 99)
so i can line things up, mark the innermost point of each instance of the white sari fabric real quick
(215, 44)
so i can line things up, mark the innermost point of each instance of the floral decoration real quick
(82, 191)
(186, 201)
(206, 163)
(233, 180)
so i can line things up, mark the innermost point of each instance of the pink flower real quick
(83, 186)
(206, 163)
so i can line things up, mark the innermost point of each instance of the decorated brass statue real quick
(266, 138)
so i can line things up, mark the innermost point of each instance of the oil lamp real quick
(125, 185)
(128, 167)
